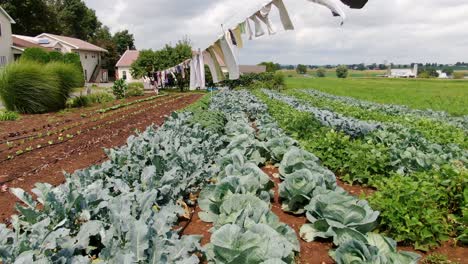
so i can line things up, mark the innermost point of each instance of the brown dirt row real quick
(89, 125)
(58, 123)
(29, 125)
(47, 165)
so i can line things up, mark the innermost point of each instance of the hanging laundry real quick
(211, 65)
(201, 71)
(248, 29)
(284, 15)
(218, 70)
(258, 26)
(264, 16)
(233, 38)
(356, 4)
(333, 6)
(238, 35)
(219, 52)
(230, 55)
(193, 75)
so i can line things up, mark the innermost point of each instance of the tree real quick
(361, 67)
(301, 69)
(150, 61)
(448, 71)
(124, 40)
(32, 17)
(342, 71)
(103, 38)
(321, 72)
(271, 66)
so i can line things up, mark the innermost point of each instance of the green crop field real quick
(444, 95)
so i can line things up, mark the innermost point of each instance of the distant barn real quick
(403, 73)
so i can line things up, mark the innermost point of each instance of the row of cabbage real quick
(123, 211)
(422, 208)
(409, 150)
(245, 230)
(307, 187)
(435, 131)
(396, 110)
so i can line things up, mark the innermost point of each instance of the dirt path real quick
(83, 150)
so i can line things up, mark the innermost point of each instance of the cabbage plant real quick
(297, 159)
(257, 244)
(375, 249)
(339, 215)
(297, 189)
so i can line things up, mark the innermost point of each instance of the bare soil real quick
(48, 163)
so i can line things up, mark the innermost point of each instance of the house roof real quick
(7, 15)
(128, 58)
(252, 68)
(77, 44)
(22, 42)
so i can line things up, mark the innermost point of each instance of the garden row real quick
(420, 184)
(437, 127)
(307, 186)
(59, 136)
(126, 209)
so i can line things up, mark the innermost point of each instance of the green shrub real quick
(342, 71)
(73, 58)
(321, 72)
(68, 75)
(36, 55)
(88, 100)
(134, 90)
(437, 259)
(9, 116)
(26, 87)
(119, 89)
(55, 56)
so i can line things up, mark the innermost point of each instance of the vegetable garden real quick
(251, 177)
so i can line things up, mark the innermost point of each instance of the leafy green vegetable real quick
(339, 215)
(376, 249)
(297, 190)
(259, 243)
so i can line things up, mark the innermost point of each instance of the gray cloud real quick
(402, 31)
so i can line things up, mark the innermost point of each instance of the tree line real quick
(70, 18)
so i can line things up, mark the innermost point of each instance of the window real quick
(86, 75)
(124, 75)
(58, 49)
(3, 61)
(0, 29)
(86, 56)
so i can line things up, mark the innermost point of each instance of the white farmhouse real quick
(90, 55)
(6, 40)
(124, 64)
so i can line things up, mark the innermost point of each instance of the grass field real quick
(445, 95)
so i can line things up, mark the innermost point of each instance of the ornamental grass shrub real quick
(31, 87)
(27, 87)
(68, 76)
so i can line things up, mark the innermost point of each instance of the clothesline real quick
(224, 51)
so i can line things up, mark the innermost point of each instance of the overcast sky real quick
(400, 31)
